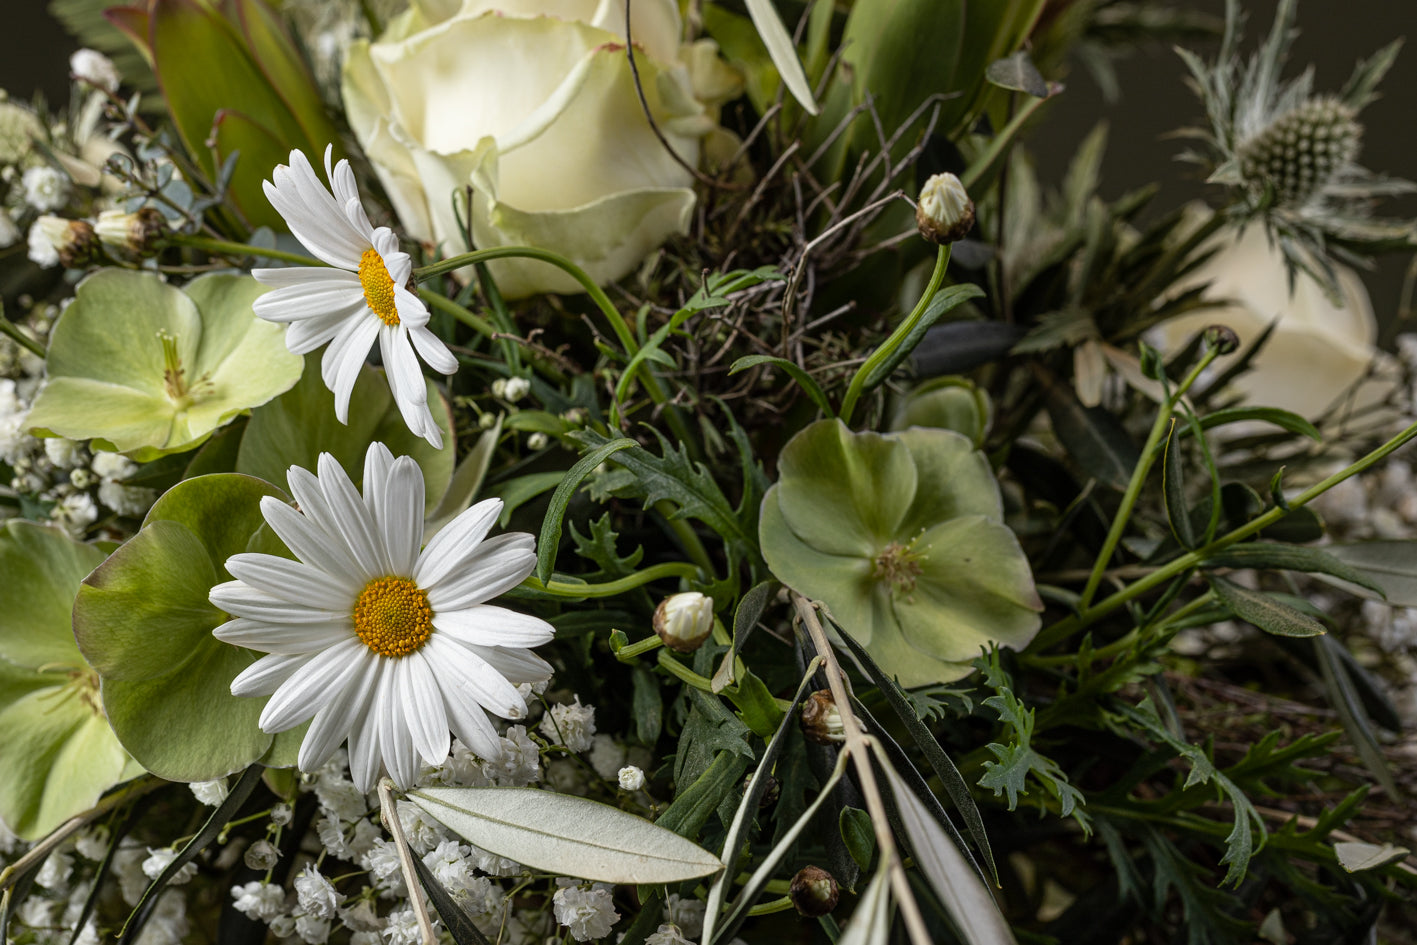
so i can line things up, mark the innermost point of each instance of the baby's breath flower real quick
(589, 914)
(313, 930)
(45, 188)
(317, 896)
(667, 934)
(159, 860)
(262, 855)
(570, 725)
(632, 778)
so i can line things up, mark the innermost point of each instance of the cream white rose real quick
(531, 103)
(1319, 349)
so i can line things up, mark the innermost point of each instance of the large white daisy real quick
(377, 641)
(363, 298)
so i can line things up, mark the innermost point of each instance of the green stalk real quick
(668, 569)
(897, 337)
(12, 330)
(1070, 625)
(1139, 473)
(237, 250)
(476, 322)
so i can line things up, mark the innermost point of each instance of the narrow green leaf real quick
(566, 835)
(1283, 419)
(1356, 856)
(1346, 701)
(804, 380)
(1173, 487)
(1264, 554)
(945, 301)
(1093, 438)
(1392, 565)
(745, 618)
(1276, 489)
(220, 817)
(1264, 611)
(456, 921)
(550, 538)
(870, 923)
(696, 802)
(858, 835)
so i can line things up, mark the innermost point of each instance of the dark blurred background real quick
(1154, 101)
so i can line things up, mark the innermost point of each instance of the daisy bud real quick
(684, 621)
(56, 241)
(821, 720)
(814, 891)
(537, 441)
(944, 213)
(135, 233)
(632, 778)
(515, 388)
(1222, 338)
(92, 67)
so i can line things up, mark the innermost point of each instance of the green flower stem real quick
(897, 337)
(999, 146)
(443, 304)
(781, 904)
(12, 330)
(1070, 625)
(570, 589)
(627, 653)
(683, 531)
(1139, 474)
(677, 669)
(235, 250)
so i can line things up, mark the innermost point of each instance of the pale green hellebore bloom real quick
(60, 754)
(147, 369)
(902, 536)
(532, 104)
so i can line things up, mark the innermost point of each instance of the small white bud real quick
(94, 68)
(499, 387)
(516, 388)
(684, 621)
(632, 778)
(537, 441)
(135, 233)
(262, 855)
(944, 213)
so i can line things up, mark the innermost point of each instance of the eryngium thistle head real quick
(1298, 154)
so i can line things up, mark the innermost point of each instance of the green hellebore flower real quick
(60, 754)
(902, 536)
(147, 369)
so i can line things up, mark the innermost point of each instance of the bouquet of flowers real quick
(534, 471)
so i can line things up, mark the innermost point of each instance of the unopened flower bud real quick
(537, 441)
(944, 213)
(135, 233)
(771, 791)
(282, 814)
(94, 68)
(821, 720)
(632, 778)
(262, 855)
(1222, 338)
(684, 621)
(516, 388)
(56, 241)
(814, 891)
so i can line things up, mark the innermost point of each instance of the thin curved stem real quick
(657, 572)
(897, 337)
(234, 250)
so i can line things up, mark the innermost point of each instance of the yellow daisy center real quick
(392, 616)
(378, 286)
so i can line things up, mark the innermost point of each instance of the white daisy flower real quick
(363, 298)
(377, 641)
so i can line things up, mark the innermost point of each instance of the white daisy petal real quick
(294, 581)
(394, 739)
(495, 567)
(344, 357)
(412, 312)
(359, 642)
(287, 639)
(335, 719)
(305, 336)
(302, 276)
(432, 350)
(462, 672)
(302, 695)
(401, 515)
(264, 676)
(423, 702)
(455, 540)
(519, 666)
(486, 625)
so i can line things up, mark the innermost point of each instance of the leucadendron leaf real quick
(567, 835)
(60, 754)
